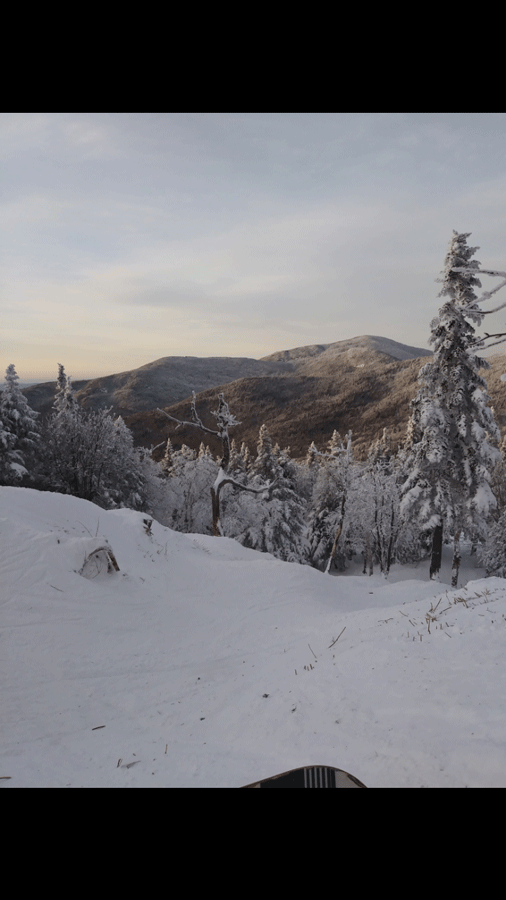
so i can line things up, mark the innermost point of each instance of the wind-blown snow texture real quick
(202, 663)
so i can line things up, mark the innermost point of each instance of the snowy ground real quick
(203, 664)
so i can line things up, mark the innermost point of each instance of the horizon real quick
(84, 377)
(488, 352)
(130, 237)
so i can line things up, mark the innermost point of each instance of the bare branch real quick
(223, 415)
(316, 452)
(487, 312)
(243, 487)
(338, 636)
(195, 417)
(197, 424)
(150, 452)
(486, 337)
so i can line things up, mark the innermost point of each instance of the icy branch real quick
(222, 479)
(150, 452)
(260, 490)
(196, 424)
(222, 414)
(501, 334)
(486, 294)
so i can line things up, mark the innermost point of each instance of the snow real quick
(202, 663)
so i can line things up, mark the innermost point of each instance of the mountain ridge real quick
(364, 384)
(170, 379)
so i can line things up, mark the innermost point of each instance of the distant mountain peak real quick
(364, 342)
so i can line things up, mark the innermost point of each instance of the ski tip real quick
(309, 777)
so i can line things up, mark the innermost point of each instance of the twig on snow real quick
(337, 638)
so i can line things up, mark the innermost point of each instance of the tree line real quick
(447, 482)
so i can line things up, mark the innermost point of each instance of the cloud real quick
(249, 230)
(94, 138)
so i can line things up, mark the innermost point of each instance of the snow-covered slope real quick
(201, 663)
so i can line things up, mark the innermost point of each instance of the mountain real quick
(299, 408)
(355, 347)
(364, 384)
(160, 383)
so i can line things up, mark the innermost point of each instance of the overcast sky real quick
(128, 237)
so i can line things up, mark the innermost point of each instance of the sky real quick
(128, 237)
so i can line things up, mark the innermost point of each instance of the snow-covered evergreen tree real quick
(492, 554)
(498, 482)
(238, 464)
(376, 507)
(179, 495)
(123, 473)
(89, 454)
(453, 429)
(65, 398)
(224, 421)
(329, 520)
(166, 463)
(19, 433)
(246, 459)
(189, 491)
(276, 526)
(11, 466)
(265, 465)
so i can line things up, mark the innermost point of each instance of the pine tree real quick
(376, 506)
(167, 463)
(89, 454)
(19, 433)
(186, 504)
(124, 466)
(498, 482)
(265, 465)
(492, 554)
(11, 467)
(276, 527)
(64, 396)
(236, 465)
(453, 429)
(224, 421)
(329, 522)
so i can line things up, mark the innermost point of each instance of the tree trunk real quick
(456, 558)
(390, 544)
(338, 535)
(437, 551)
(215, 500)
(334, 547)
(369, 559)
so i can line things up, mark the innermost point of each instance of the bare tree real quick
(225, 420)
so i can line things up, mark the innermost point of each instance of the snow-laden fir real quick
(203, 663)
(453, 433)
